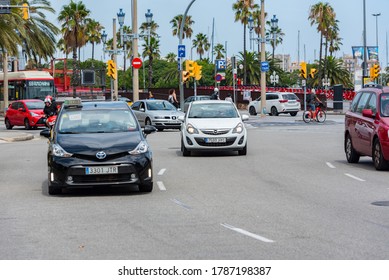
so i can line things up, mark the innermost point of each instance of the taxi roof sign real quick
(73, 102)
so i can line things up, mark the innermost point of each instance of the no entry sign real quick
(137, 63)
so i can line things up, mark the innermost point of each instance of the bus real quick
(28, 85)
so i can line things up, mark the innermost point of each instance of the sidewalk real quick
(12, 135)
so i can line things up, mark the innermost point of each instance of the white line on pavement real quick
(354, 177)
(330, 165)
(181, 204)
(161, 186)
(162, 171)
(247, 233)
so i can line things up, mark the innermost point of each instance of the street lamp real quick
(274, 78)
(326, 82)
(251, 27)
(376, 31)
(274, 27)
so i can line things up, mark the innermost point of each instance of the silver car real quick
(157, 112)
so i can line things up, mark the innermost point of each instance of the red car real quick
(27, 113)
(367, 126)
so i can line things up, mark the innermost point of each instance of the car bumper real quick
(166, 124)
(71, 172)
(231, 142)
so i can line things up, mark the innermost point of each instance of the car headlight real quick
(238, 129)
(34, 114)
(58, 151)
(140, 149)
(191, 129)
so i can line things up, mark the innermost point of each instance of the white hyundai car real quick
(277, 103)
(213, 125)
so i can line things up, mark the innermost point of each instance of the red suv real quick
(367, 126)
(27, 113)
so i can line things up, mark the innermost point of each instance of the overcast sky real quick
(292, 15)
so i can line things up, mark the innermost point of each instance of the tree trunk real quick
(74, 75)
(244, 55)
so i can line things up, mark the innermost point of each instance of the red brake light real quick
(283, 100)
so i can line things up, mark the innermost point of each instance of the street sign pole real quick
(304, 84)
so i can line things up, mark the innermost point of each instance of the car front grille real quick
(215, 131)
(229, 142)
(98, 179)
(94, 158)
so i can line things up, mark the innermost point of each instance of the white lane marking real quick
(330, 165)
(181, 204)
(247, 233)
(162, 171)
(354, 177)
(161, 186)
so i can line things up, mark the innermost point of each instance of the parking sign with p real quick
(220, 65)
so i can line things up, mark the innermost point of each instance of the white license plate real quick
(215, 140)
(101, 170)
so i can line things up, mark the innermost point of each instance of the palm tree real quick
(151, 49)
(242, 10)
(171, 57)
(73, 18)
(176, 25)
(219, 51)
(201, 44)
(93, 33)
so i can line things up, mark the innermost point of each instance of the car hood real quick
(214, 123)
(166, 113)
(37, 111)
(89, 143)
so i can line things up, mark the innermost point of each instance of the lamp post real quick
(326, 82)
(251, 27)
(274, 78)
(149, 19)
(274, 27)
(376, 31)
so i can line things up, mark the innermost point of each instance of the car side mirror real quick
(245, 117)
(46, 133)
(368, 113)
(148, 129)
(142, 109)
(181, 118)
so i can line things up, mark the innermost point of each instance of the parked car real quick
(27, 113)
(213, 125)
(277, 103)
(188, 100)
(97, 144)
(157, 112)
(367, 126)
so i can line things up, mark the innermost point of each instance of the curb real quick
(15, 138)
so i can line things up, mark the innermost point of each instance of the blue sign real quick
(181, 51)
(220, 65)
(265, 66)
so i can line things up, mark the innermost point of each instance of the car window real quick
(135, 106)
(362, 102)
(353, 106)
(97, 121)
(210, 110)
(160, 105)
(15, 105)
(372, 103)
(385, 104)
(35, 105)
(289, 96)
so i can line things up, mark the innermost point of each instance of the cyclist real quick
(312, 102)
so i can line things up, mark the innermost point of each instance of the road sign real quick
(137, 63)
(264, 66)
(181, 51)
(220, 65)
(218, 77)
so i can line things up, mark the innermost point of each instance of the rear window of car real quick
(289, 96)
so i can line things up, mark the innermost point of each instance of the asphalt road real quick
(293, 196)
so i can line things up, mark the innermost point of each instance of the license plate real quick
(101, 170)
(215, 140)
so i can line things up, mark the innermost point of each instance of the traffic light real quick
(185, 76)
(189, 66)
(111, 69)
(303, 70)
(371, 73)
(312, 72)
(376, 70)
(197, 71)
(25, 11)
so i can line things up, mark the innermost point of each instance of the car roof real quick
(211, 101)
(107, 105)
(28, 100)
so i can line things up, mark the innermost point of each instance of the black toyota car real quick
(98, 144)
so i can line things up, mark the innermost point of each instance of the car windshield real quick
(385, 105)
(212, 110)
(159, 105)
(96, 121)
(35, 105)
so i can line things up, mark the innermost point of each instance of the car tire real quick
(8, 124)
(293, 114)
(185, 151)
(27, 124)
(274, 111)
(252, 111)
(243, 152)
(352, 156)
(379, 162)
(146, 187)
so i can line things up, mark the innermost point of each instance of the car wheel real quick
(8, 124)
(27, 124)
(184, 150)
(293, 114)
(252, 111)
(243, 152)
(147, 121)
(274, 111)
(379, 162)
(146, 187)
(351, 155)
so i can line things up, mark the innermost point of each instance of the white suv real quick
(277, 103)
